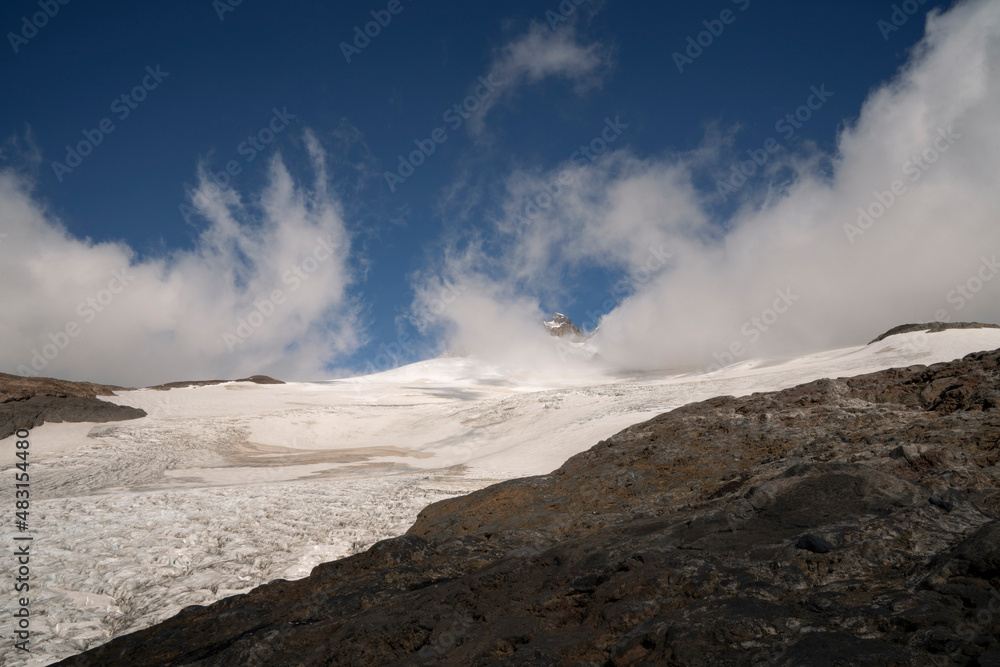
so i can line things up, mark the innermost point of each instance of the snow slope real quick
(222, 488)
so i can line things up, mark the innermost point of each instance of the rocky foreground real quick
(842, 522)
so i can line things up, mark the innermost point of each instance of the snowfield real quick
(222, 488)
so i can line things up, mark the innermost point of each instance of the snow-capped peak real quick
(563, 326)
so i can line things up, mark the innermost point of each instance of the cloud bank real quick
(264, 290)
(899, 225)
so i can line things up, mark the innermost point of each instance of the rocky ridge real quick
(256, 379)
(933, 327)
(842, 522)
(27, 402)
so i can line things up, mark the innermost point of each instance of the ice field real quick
(222, 488)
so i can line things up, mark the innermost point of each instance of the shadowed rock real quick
(27, 402)
(814, 544)
(674, 542)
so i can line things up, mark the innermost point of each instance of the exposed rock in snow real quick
(933, 327)
(256, 379)
(18, 388)
(572, 343)
(27, 402)
(562, 326)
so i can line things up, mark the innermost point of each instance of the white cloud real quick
(905, 267)
(536, 55)
(168, 317)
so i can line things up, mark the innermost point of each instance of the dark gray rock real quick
(943, 504)
(814, 543)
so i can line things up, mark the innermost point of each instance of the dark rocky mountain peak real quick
(562, 326)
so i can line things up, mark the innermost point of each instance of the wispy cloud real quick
(539, 54)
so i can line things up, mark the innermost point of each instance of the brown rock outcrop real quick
(563, 327)
(27, 402)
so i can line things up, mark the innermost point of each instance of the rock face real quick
(933, 327)
(841, 522)
(562, 326)
(29, 402)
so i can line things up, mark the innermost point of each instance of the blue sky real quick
(222, 73)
